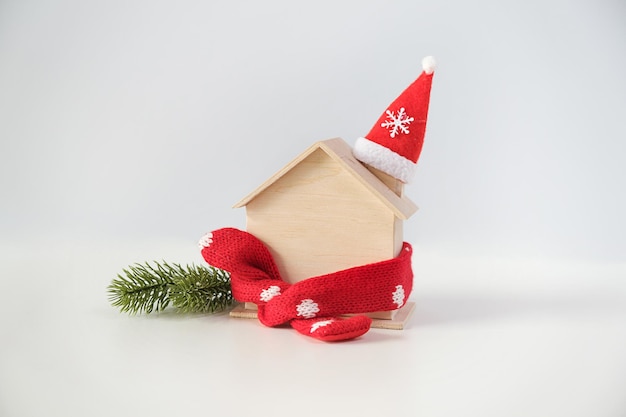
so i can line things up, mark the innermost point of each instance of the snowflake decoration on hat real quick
(397, 122)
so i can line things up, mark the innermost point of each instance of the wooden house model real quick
(325, 211)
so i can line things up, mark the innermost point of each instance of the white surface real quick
(129, 128)
(489, 337)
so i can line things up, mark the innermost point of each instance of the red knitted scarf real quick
(313, 306)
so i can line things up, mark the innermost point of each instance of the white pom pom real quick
(429, 64)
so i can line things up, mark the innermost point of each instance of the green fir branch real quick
(190, 289)
(201, 290)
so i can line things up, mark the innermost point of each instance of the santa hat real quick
(395, 142)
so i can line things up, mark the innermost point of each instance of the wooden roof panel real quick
(341, 152)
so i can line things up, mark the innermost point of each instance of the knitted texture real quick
(311, 306)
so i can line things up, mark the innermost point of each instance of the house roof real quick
(341, 152)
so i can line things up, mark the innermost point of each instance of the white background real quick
(129, 128)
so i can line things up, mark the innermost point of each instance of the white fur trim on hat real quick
(384, 159)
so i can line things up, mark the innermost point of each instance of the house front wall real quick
(317, 219)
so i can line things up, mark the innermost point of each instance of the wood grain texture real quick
(317, 219)
(325, 212)
(341, 152)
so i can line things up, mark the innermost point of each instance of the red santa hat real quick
(395, 142)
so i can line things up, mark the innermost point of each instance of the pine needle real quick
(191, 289)
(201, 290)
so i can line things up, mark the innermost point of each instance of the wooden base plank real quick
(398, 322)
